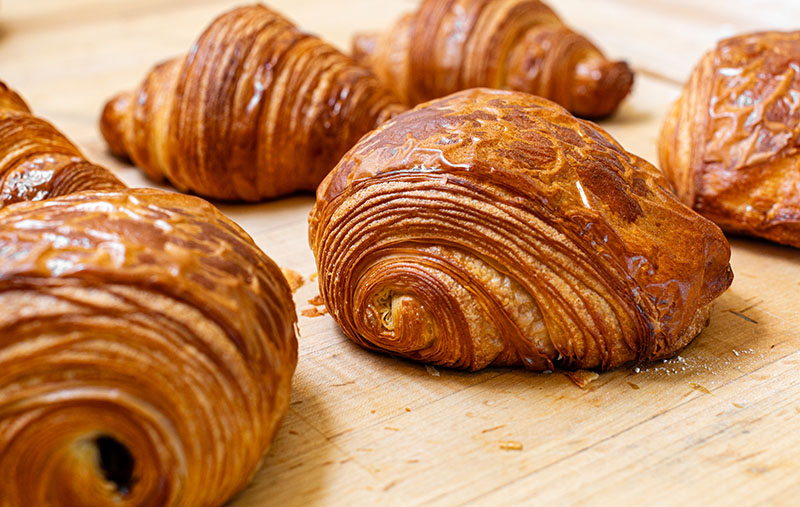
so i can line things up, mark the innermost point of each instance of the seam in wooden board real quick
(611, 437)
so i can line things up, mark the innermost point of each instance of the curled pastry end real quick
(364, 46)
(10, 100)
(113, 123)
(599, 87)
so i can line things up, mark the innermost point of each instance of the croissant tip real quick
(602, 99)
(111, 123)
(364, 45)
(10, 100)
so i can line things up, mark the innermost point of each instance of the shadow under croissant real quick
(768, 250)
(627, 114)
(707, 353)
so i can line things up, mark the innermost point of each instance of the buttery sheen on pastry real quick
(730, 143)
(257, 109)
(494, 228)
(37, 161)
(450, 45)
(146, 343)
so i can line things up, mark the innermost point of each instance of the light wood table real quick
(718, 424)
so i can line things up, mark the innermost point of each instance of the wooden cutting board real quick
(719, 423)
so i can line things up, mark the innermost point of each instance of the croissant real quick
(146, 343)
(493, 228)
(729, 145)
(256, 110)
(451, 45)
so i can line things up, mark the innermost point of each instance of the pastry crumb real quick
(314, 312)
(432, 371)
(700, 388)
(582, 378)
(294, 278)
(634, 386)
(511, 445)
(312, 277)
(316, 301)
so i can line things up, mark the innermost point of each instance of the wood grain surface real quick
(719, 424)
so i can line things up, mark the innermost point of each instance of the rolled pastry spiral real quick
(256, 110)
(146, 344)
(493, 228)
(729, 145)
(450, 45)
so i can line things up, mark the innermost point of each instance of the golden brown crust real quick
(451, 45)
(730, 143)
(494, 228)
(146, 344)
(37, 161)
(10, 101)
(256, 110)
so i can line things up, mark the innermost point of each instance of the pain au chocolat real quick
(146, 344)
(493, 228)
(730, 145)
(257, 109)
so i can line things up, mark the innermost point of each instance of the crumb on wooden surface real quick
(700, 388)
(312, 277)
(511, 445)
(294, 278)
(582, 378)
(634, 386)
(432, 371)
(314, 312)
(316, 301)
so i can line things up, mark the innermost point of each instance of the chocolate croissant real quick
(730, 143)
(146, 343)
(256, 110)
(493, 228)
(451, 45)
